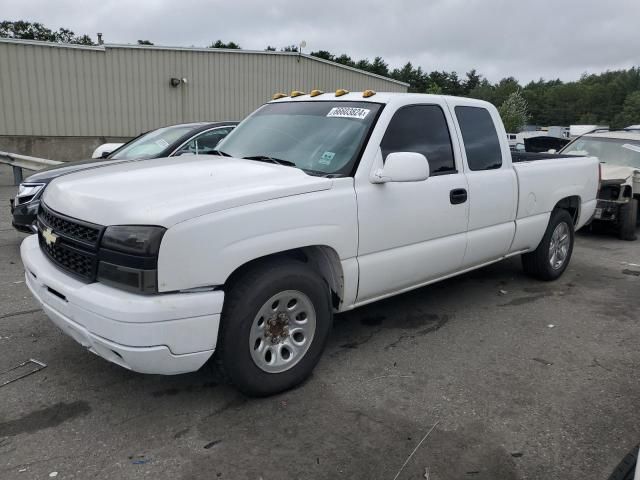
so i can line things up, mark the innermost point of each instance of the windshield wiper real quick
(277, 161)
(218, 152)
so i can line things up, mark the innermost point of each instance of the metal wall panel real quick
(120, 91)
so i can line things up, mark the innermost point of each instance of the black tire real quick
(244, 299)
(537, 263)
(628, 220)
(627, 467)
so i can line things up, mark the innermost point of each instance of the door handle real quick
(457, 196)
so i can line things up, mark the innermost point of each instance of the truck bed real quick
(541, 184)
(531, 156)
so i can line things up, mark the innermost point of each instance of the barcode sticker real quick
(349, 112)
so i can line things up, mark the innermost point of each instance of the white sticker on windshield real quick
(326, 158)
(631, 146)
(349, 112)
(162, 143)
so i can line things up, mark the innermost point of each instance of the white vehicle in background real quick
(619, 152)
(578, 130)
(105, 149)
(317, 204)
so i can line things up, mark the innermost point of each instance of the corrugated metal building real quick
(60, 101)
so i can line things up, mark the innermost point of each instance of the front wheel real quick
(551, 258)
(275, 325)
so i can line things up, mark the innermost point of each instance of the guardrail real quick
(19, 162)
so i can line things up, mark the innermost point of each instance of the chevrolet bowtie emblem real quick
(49, 237)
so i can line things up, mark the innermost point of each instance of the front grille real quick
(70, 243)
(70, 227)
(80, 263)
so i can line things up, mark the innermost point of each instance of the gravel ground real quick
(522, 380)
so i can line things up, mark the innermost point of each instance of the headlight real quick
(128, 257)
(27, 192)
(134, 239)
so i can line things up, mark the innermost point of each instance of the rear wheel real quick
(551, 258)
(628, 220)
(275, 324)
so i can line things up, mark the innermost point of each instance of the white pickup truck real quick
(317, 204)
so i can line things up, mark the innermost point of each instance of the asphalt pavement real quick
(521, 379)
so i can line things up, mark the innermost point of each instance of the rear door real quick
(411, 233)
(491, 179)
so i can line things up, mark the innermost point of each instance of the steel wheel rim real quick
(282, 331)
(559, 245)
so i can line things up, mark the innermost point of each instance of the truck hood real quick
(47, 174)
(617, 172)
(167, 191)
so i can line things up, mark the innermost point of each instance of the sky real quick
(499, 38)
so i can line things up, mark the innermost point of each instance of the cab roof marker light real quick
(278, 95)
(368, 93)
(315, 93)
(341, 91)
(296, 93)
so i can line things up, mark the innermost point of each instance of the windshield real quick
(151, 144)
(317, 137)
(616, 151)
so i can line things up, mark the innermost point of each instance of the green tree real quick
(473, 80)
(289, 48)
(379, 67)
(22, 29)
(221, 44)
(513, 112)
(503, 90)
(345, 60)
(323, 54)
(434, 89)
(483, 91)
(145, 42)
(363, 64)
(630, 114)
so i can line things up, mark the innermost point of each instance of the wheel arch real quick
(571, 204)
(323, 259)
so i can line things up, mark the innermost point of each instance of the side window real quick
(421, 129)
(480, 138)
(205, 142)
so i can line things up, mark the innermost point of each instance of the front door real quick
(414, 232)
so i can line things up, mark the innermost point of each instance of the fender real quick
(204, 251)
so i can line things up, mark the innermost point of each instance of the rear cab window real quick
(421, 129)
(480, 138)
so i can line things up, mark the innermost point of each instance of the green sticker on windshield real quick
(326, 158)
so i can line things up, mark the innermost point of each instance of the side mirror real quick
(552, 150)
(105, 154)
(403, 167)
